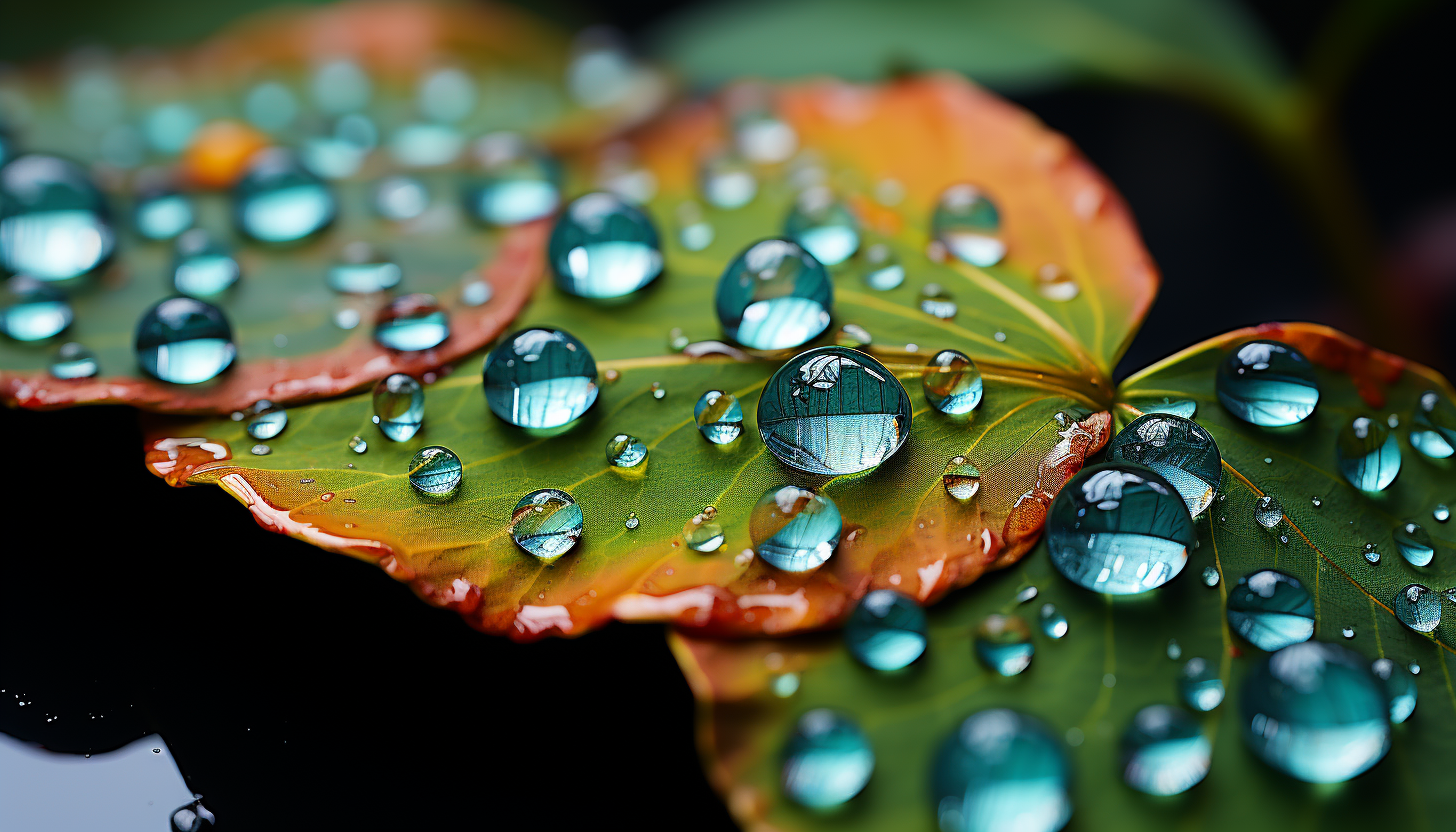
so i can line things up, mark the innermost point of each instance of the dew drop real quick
(162, 214)
(54, 222)
(1418, 608)
(399, 407)
(268, 422)
(435, 472)
(853, 336)
(1414, 543)
(1268, 512)
(1441, 513)
(540, 378)
(719, 417)
(1210, 576)
(795, 529)
(1347, 632)
(881, 268)
(1053, 623)
(202, 266)
(278, 201)
(1186, 408)
(358, 445)
(517, 181)
(604, 247)
(1055, 284)
(886, 630)
(952, 383)
(1368, 454)
(1400, 688)
(1174, 650)
(967, 223)
(658, 391)
(1119, 529)
(727, 182)
(33, 311)
(1199, 685)
(962, 479)
(260, 450)
(1003, 643)
(937, 302)
(823, 226)
(184, 341)
(827, 760)
(74, 360)
(1179, 449)
(703, 535)
(1271, 610)
(1026, 594)
(1164, 751)
(626, 454)
(1267, 383)
(1001, 770)
(411, 323)
(362, 270)
(1433, 427)
(546, 523)
(693, 232)
(401, 198)
(632, 522)
(773, 296)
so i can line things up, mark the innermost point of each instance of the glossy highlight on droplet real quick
(827, 760)
(626, 454)
(886, 630)
(1268, 512)
(882, 269)
(795, 529)
(1267, 383)
(162, 215)
(268, 422)
(603, 247)
(719, 417)
(540, 378)
(184, 341)
(962, 479)
(952, 382)
(1179, 449)
(546, 523)
(774, 296)
(277, 200)
(1271, 610)
(399, 407)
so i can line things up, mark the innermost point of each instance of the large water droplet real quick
(268, 422)
(952, 382)
(727, 182)
(435, 472)
(1271, 610)
(518, 181)
(184, 341)
(795, 529)
(702, 534)
(962, 479)
(1400, 688)
(774, 296)
(719, 416)
(833, 411)
(1164, 751)
(411, 323)
(540, 378)
(1179, 449)
(1414, 543)
(1418, 608)
(1053, 623)
(882, 268)
(823, 226)
(1316, 712)
(547, 523)
(967, 223)
(162, 214)
(1000, 770)
(1267, 383)
(1368, 454)
(32, 311)
(826, 761)
(1268, 512)
(278, 201)
(362, 270)
(626, 454)
(1120, 529)
(1433, 428)
(1200, 686)
(401, 198)
(202, 266)
(399, 406)
(1003, 643)
(886, 631)
(74, 360)
(54, 222)
(602, 247)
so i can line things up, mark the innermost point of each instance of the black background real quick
(301, 689)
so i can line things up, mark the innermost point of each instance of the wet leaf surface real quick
(1045, 363)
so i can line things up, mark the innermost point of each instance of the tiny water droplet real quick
(261, 450)
(1316, 502)
(401, 198)
(1055, 284)
(1053, 623)
(1267, 383)
(1418, 608)
(727, 182)
(827, 760)
(268, 423)
(1271, 610)
(74, 360)
(1199, 685)
(853, 336)
(546, 522)
(886, 630)
(632, 522)
(1175, 650)
(1003, 643)
(785, 685)
(1268, 512)
(626, 454)
(936, 301)
(962, 480)
(435, 472)
(1268, 460)
(1347, 632)
(1441, 512)
(658, 391)
(361, 269)
(1433, 426)
(952, 383)
(702, 534)
(1210, 576)
(1026, 594)
(411, 323)
(999, 336)
(881, 268)
(358, 445)
(719, 417)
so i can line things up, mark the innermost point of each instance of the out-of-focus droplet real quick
(882, 268)
(361, 269)
(823, 226)
(603, 247)
(967, 223)
(411, 323)
(54, 222)
(1164, 751)
(1271, 610)
(33, 311)
(517, 181)
(74, 360)
(1200, 686)
(827, 760)
(886, 630)
(278, 201)
(184, 341)
(1003, 643)
(202, 266)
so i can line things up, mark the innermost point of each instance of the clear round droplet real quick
(184, 340)
(1179, 449)
(399, 406)
(260, 450)
(1003, 643)
(33, 311)
(1368, 454)
(1433, 427)
(517, 182)
(1164, 751)
(74, 360)
(277, 200)
(411, 323)
(202, 266)
(727, 182)
(937, 302)
(358, 444)
(604, 247)
(1120, 529)
(1001, 770)
(54, 221)
(547, 523)
(1441, 513)
(702, 534)
(886, 630)
(1267, 383)
(824, 226)
(1054, 284)
(1268, 512)
(401, 198)
(882, 269)
(1400, 688)
(362, 269)
(1174, 649)
(1199, 685)
(162, 214)
(1271, 610)
(626, 454)
(268, 422)
(1418, 607)
(952, 382)
(540, 378)
(795, 529)
(774, 296)
(1414, 543)
(962, 479)
(435, 472)
(1210, 576)
(631, 522)
(967, 223)
(719, 417)
(764, 138)
(1053, 623)
(827, 760)
(833, 411)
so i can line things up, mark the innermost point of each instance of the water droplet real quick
(411, 323)
(886, 630)
(881, 268)
(277, 200)
(435, 472)
(785, 685)
(1268, 512)
(603, 247)
(795, 529)
(833, 411)
(1053, 623)
(362, 269)
(162, 214)
(341, 86)
(33, 311)
(202, 266)
(823, 226)
(1315, 502)
(764, 138)
(74, 360)
(1414, 668)
(1271, 610)
(702, 534)
(54, 222)
(952, 382)
(540, 378)
(184, 341)
(192, 818)
(1054, 284)
(1433, 427)
(999, 336)
(774, 296)
(271, 106)
(719, 416)
(1175, 650)
(401, 198)
(1268, 460)
(1316, 712)
(626, 454)
(261, 450)
(962, 479)
(1414, 543)
(399, 406)
(1001, 770)
(727, 182)
(1210, 576)
(1371, 553)
(1199, 685)
(547, 523)
(1119, 529)
(1368, 454)
(1179, 449)
(658, 391)
(967, 223)
(853, 336)
(358, 445)
(1003, 643)
(693, 232)
(827, 760)
(1267, 383)
(1418, 608)
(677, 341)
(518, 181)
(1400, 688)
(936, 301)
(1164, 751)
(268, 422)
(1348, 632)
(1026, 594)
(632, 522)
(1441, 512)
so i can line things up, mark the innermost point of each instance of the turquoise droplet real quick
(602, 247)
(952, 382)
(882, 268)
(278, 201)
(1177, 448)
(1433, 427)
(401, 198)
(833, 411)
(546, 522)
(727, 182)
(1001, 770)
(162, 215)
(719, 416)
(270, 106)
(411, 323)
(1164, 751)
(774, 296)
(823, 226)
(362, 270)
(202, 266)
(1368, 454)
(184, 340)
(827, 760)
(886, 630)
(1418, 607)
(1003, 643)
(446, 95)
(1120, 529)
(268, 423)
(1267, 383)
(1400, 688)
(74, 360)
(626, 454)
(170, 127)
(1316, 712)
(435, 472)
(426, 145)
(341, 86)
(518, 182)
(399, 406)
(1271, 610)
(540, 378)
(1414, 543)
(967, 223)
(54, 222)
(794, 528)
(1053, 623)
(1200, 686)
(33, 311)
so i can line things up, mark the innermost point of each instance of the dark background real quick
(301, 689)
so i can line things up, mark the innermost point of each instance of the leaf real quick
(1114, 660)
(283, 315)
(1055, 359)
